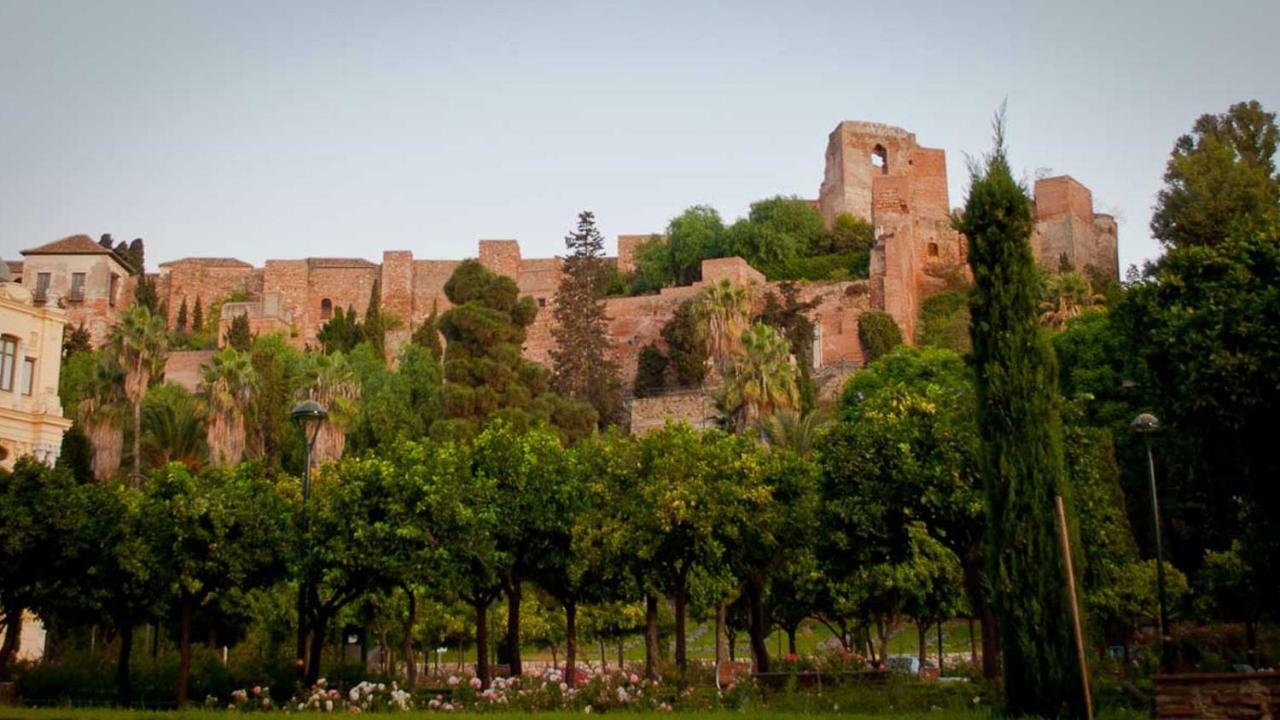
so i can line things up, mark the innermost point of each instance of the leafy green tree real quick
(653, 269)
(140, 347)
(1066, 295)
(218, 533)
(1232, 589)
(342, 333)
(693, 236)
(486, 376)
(173, 428)
(794, 430)
(848, 233)
(762, 379)
(686, 346)
(1021, 429)
(944, 322)
(785, 311)
(76, 454)
(777, 230)
(879, 333)
(651, 371)
(395, 404)
(1221, 172)
(581, 367)
(283, 378)
(228, 383)
(724, 312)
(238, 336)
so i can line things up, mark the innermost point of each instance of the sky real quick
(290, 129)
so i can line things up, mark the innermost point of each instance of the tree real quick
(692, 236)
(879, 333)
(173, 428)
(651, 371)
(395, 404)
(762, 378)
(377, 323)
(75, 340)
(777, 230)
(1221, 172)
(581, 368)
(238, 335)
(342, 333)
(686, 346)
(427, 335)
(794, 430)
(146, 295)
(92, 389)
(1021, 429)
(140, 346)
(218, 533)
(1066, 295)
(724, 311)
(197, 317)
(486, 376)
(849, 233)
(76, 454)
(785, 311)
(335, 387)
(180, 322)
(228, 384)
(136, 255)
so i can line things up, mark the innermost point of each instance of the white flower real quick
(354, 694)
(328, 706)
(447, 707)
(321, 682)
(453, 681)
(587, 710)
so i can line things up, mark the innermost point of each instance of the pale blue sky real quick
(286, 129)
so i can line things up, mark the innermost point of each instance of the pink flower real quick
(476, 683)
(453, 681)
(257, 690)
(633, 678)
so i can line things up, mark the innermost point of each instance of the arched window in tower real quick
(326, 309)
(933, 249)
(880, 159)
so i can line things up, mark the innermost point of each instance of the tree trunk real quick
(941, 667)
(973, 645)
(682, 657)
(12, 638)
(1251, 641)
(733, 646)
(319, 627)
(124, 692)
(990, 644)
(482, 641)
(604, 662)
(513, 628)
(651, 636)
(882, 632)
(757, 629)
(791, 639)
(136, 480)
(719, 634)
(621, 655)
(300, 656)
(184, 648)
(411, 666)
(922, 631)
(571, 643)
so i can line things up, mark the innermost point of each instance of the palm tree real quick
(337, 388)
(1066, 295)
(724, 309)
(101, 414)
(228, 384)
(762, 378)
(139, 342)
(173, 430)
(797, 431)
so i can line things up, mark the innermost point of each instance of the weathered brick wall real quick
(184, 367)
(651, 413)
(289, 278)
(345, 286)
(1219, 695)
(501, 257)
(209, 279)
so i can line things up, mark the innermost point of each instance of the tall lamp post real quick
(308, 416)
(1146, 424)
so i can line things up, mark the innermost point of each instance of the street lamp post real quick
(308, 416)
(1146, 424)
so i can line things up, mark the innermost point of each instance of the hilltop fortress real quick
(873, 171)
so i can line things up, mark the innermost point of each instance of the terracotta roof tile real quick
(71, 245)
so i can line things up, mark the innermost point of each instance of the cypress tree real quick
(1021, 429)
(238, 335)
(197, 317)
(428, 334)
(581, 368)
(180, 322)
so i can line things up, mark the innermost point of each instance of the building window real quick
(77, 288)
(326, 309)
(880, 159)
(111, 289)
(41, 294)
(28, 375)
(8, 361)
(933, 249)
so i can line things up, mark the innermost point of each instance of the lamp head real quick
(1145, 423)
(308, 415)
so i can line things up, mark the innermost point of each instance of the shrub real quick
(944, 322)
(879, 333)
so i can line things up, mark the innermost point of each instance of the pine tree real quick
(145, 294)
(238, 334)
(1019, 418)
(580, 367)
(428, 334)
(180, 323)
(197, 317)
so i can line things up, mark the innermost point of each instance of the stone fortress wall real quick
(873, 171)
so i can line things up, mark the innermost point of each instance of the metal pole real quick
(304, 576)
(1155, 516)
(1075, 606)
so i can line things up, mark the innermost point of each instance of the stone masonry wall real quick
(651, 413)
